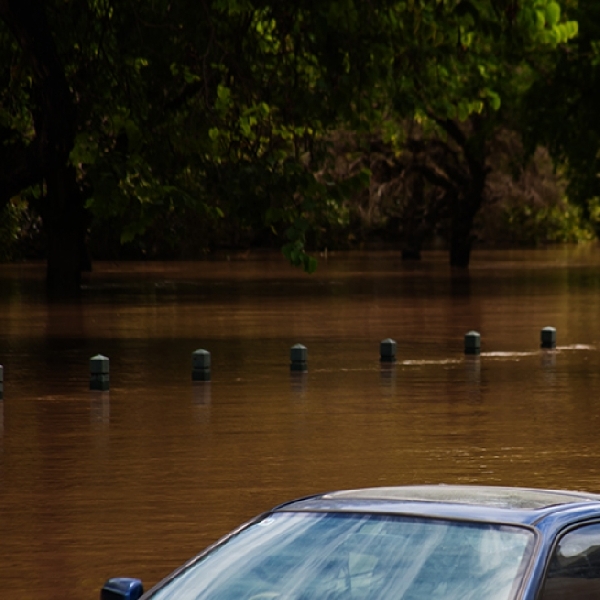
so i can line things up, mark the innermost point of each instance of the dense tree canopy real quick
(562, 108)
(221, 113)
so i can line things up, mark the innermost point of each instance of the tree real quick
(562, 108)
(50, 125)
(140, 110)
(211, 106)
(463, 79)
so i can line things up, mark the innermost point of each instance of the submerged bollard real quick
(1, 382)
(387, 350)
(201, 365)
(548, 337)
(99, 373)
(473, 343)
(298, 358)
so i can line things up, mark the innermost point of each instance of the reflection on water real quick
(202, 392)
(135, 480)
(100, 409)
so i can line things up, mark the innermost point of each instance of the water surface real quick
(135, 480)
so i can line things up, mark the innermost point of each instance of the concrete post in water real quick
(99, 373)
(387, 350)
(298, 358)
(1, 382)
(201, 365)
(548, 337)
(473, 343)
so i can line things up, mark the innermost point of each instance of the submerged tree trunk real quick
(54, 118)
(413, 222)
(463, 216)
(469, 188)
(65, 226)
(461, 241)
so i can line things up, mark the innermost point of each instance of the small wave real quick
(507, 354)
(446, 361)
(576, 347)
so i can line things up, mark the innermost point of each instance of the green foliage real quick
(524, 224)
(461, 55)
(562, 107)
(225, 108)
(593, 211)
(12, 218)
(8, 232)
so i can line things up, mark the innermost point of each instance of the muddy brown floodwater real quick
(136, 480)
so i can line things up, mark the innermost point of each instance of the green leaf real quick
(310, 264)
(572, 29)
(224, 96)
(495, 101)
(552, 14)
(540, 19)
(463, 111)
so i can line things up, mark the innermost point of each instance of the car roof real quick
(510, 505)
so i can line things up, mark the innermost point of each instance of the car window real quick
(574, 569)
(328, 556)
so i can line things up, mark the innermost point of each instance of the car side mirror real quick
(122, 588)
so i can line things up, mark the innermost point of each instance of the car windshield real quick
(330, 556)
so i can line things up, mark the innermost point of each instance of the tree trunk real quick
(463, 215)
(65, 226)
(413, 221)
(461, 241)
(467, 205)
(54, 120)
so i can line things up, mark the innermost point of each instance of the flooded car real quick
(400, 543)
